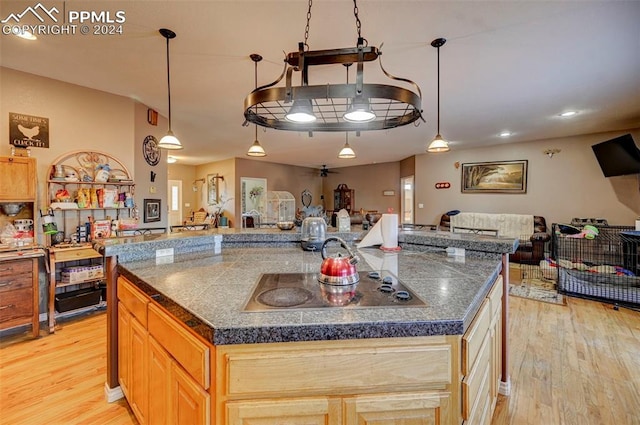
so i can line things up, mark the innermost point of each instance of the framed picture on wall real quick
(495, 177)
(213, 196)
(151, 210)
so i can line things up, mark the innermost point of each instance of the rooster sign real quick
(28, 131)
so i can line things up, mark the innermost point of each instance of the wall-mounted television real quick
(618, 157)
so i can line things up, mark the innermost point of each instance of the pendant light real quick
(170, 141)
(256, 150)
(346, 152)
(438, 144)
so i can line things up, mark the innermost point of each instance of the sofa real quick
(531, 247)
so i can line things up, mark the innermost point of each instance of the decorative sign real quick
(443, 185)
(28, 131)
(151, 151)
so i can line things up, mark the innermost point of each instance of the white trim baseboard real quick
(505, 387)
(112, 394)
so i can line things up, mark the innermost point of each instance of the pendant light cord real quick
(438, 90)
(169, 83)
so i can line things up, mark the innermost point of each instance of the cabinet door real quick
(18, 182)
(138, 372)
(190, 404)
(401, 408)
(308, 411)
(159, 383)
(124, 349)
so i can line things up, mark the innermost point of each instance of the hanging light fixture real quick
(332, 107)
(346, 152)
(169, 141)
(438, 144)
(256, 150)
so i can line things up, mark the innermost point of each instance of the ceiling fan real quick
(324, 171)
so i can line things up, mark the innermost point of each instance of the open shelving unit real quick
(81, 190)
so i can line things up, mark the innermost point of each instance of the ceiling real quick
(507, 65)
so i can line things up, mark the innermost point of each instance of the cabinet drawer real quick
(192, 354)
(472, 340)
(17, 282)
(134, 300)
(15, 268)
(16, 307)
(333, 367)
(495, 296)
(475, 386)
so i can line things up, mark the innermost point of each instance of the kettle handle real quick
(353, 258)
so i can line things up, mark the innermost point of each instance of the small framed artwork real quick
(151, 210)
(495, 177)
(212, 189)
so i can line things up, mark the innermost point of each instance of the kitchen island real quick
(439, 363)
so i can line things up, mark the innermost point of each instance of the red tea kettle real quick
(338, 270)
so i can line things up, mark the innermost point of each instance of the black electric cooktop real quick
(290, 291)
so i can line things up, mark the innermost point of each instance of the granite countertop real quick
(208, 293)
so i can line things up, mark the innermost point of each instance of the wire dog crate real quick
(605, 267)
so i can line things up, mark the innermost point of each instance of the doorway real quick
(175, 202)
(406, 202)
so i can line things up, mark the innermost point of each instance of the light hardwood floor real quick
(576, 364)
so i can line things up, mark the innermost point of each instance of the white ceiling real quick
(507, 65)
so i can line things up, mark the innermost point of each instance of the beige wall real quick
(281, 177)
(145, 188)
(568, 185)
(226, 187)
(368, 183)
(79, 119)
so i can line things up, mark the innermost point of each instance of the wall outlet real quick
(187, 204)
(420, 205)
(164, 252)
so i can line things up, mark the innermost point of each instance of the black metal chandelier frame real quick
(393, 106)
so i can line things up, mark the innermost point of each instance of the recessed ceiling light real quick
(506, 134)
(26, 35)
(568, 114)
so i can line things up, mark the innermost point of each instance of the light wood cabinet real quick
(19, 294)
(311, 411)
(190, 403)
(18, 182)
(481, 359)
(18, 185)
(163, 369)
(396, 381)
(138, 372)
(424, 408)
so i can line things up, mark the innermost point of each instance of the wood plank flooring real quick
(576, 364)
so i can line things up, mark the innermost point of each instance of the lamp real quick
(195, 186)
(438, 144)
(170, 141)
(551, 152)
(332, 107)
(346, 152)
(256, 150)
